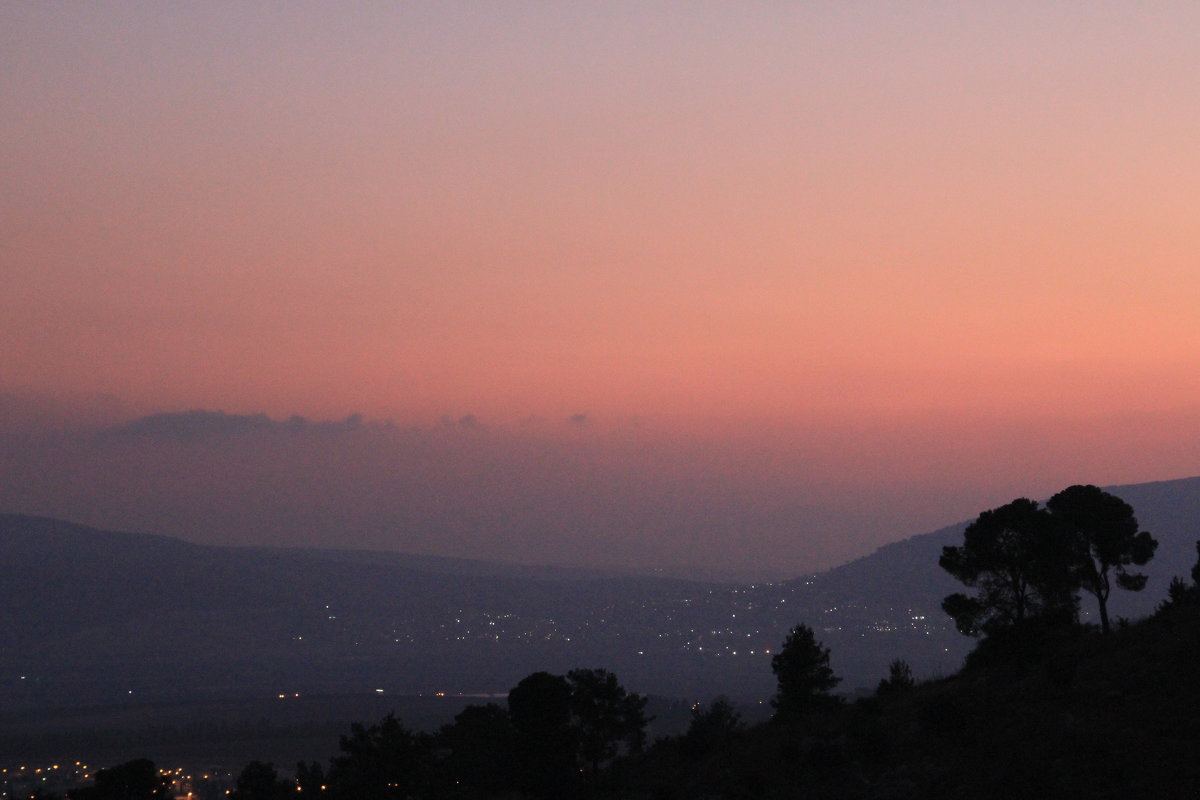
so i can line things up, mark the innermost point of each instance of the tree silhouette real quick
(1196, 568)
(1178, 593)
(899, 679)
(540, 710)
(1020, 564)
(604, 716)
(1109, 542)
(803, 674)
(713, 727)
(132, 780)
(381, 761)
(260, 781)
(310, 778)
(482, 749)
(1182, 593)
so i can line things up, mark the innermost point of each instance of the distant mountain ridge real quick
(1170, 510)
(89, 616)
(20, 530)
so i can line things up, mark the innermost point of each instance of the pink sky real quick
(945, 247)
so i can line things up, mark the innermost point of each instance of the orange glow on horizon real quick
(705, 219)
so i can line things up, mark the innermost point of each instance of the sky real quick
(757, 286)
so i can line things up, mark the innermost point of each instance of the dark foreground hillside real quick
(1077, 715)
(1044, 707)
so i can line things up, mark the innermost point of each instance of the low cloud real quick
(194, 424)
(758, 500)
(201, 424)
(614, 497)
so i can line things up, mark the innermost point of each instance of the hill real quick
(89, 616)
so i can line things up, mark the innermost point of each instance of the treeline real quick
(557, 736)
(1044, 707)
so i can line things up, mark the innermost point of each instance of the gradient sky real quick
(894, 261)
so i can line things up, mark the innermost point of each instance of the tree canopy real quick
(712, 727)
(605, 716)
(561, 723)
(899, 679)
(258, 780)
(480, 745)
(1026, 562)
(1108, 539)
(378, 761)
(540, 710)
(1020, 564)
(802, 672)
